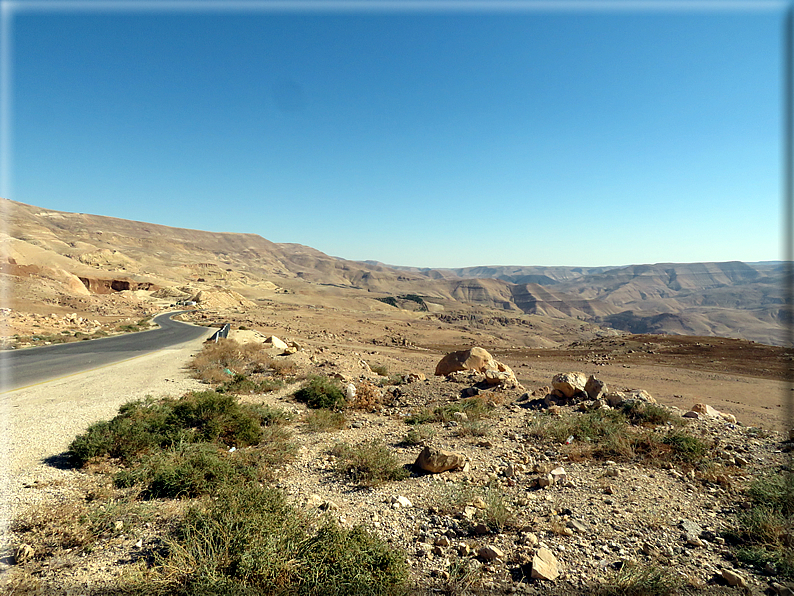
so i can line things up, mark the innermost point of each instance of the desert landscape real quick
(601, 430)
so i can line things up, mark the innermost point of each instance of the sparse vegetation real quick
(250, 540)
(143, 426)
(379, 369)
(418, 435)
(218, 361)
(761, 534)
(368, 464)
(323, 420)
(608, 434)
(368, 397)
(321, 392)
(240, 384)
(642, 580)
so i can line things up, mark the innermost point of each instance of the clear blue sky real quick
(444, 139)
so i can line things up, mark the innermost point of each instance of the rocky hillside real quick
(66, 254)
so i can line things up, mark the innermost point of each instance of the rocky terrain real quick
(523, 508)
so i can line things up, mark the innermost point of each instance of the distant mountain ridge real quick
(732, 299)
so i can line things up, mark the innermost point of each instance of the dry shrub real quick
(49, 529)
(283, 368)
(368, 397)
(216, 358)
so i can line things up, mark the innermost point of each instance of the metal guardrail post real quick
(222, 332)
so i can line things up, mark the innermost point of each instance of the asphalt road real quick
(21, 368)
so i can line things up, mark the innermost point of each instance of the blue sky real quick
(443, 138)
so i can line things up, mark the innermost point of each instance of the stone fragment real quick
(577, 526)
(569, 384)
(705, 410)
(350, 392)
(435, 460)
(442, 541)
(595, 388)
(481, 529)
(693, 540)
(544, 565)
(733, 578)
(276, 342)
(460, 416)
(475, 358)
(641, 395)
(559, 475)
(545, 480)
(489, 553)
(401, 502)
(782, 590)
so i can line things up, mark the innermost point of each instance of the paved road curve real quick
(20, 368)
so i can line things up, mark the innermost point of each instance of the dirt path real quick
(38, 423)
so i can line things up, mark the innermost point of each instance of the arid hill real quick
(51, 257)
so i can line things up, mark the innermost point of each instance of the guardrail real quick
(222, 332)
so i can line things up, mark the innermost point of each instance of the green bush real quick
(321, 392)
(250, 540)
(760, 533)
(186, 471)
(368, 464)
(686, 447)
(143, 426)
(647, 414)
(243, 384)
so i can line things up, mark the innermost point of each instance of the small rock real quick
(733, 578)
(401, 502)
(544, 565)
(489, 553)
(442, 541)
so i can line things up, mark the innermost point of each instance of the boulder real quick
(595, 388)
(276, 342)
(614, 398)
(472, 359)
(435, 460)
(544, 565)
(569, 384)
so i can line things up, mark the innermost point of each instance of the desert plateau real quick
(386, 429)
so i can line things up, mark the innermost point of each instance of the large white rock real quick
(276, 342)
(569, 384)
(472, 359)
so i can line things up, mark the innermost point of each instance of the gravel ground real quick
(37, 423)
